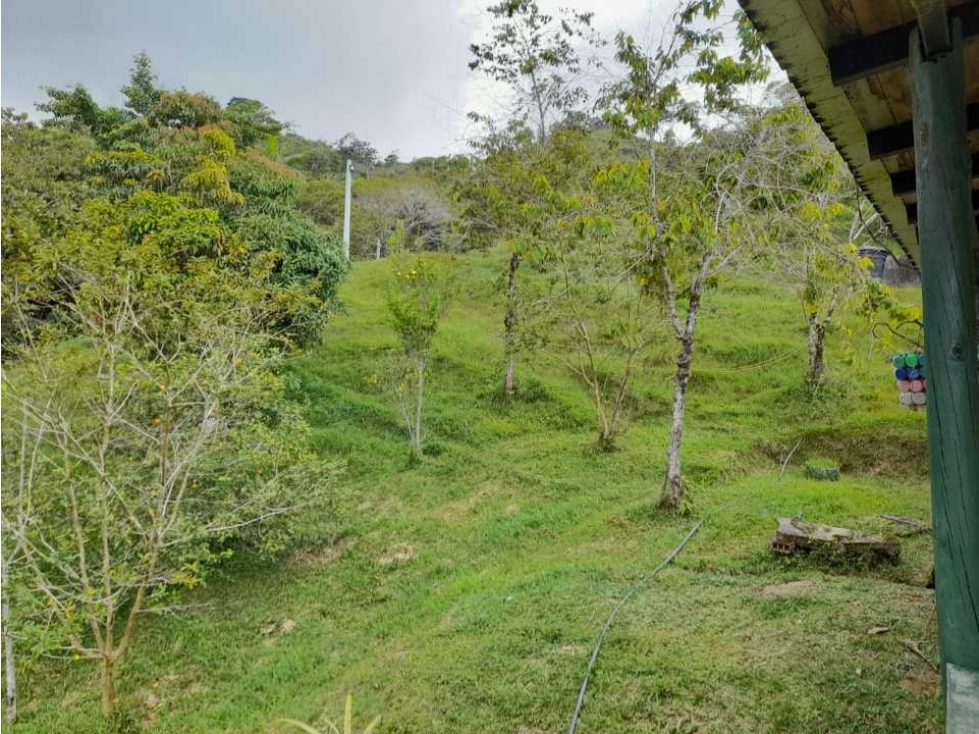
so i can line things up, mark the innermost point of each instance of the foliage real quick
(253, 121)
(362, 153)
(348, 718)
(154, 276)
(416, 302)
(44, 187)
(322, 200)
(535, 55)
(186, 144)
(694, 207)
(154, 369)
(142, 94)
(821, 225)
(314, 157)
(181, 108)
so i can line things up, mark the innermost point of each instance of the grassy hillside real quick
(465, 593)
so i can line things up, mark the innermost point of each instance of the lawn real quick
(464, 594)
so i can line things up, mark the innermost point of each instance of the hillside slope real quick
(464, 594)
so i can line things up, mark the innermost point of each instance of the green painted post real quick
(946, 231)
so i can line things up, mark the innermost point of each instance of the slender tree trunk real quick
(510, 327)
(606, 439)
(108, 685)
(673, 491)
(9, 670)
(378, 256)
(419, 400)
(816, 367)
(672, 498)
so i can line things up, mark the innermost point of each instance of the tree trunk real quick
(9, 671)
(510, 327)
(108, 686)
(416, 443)
(606, 440)
(673, 490)
(672, 498)
(816, 367)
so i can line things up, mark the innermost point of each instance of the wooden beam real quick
(945, 231)
(869, 55)
(933, 27)
(912, 209)
(899, 138)
(903, 182)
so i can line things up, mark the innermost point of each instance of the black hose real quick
(611, 617)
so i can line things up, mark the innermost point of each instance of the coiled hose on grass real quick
(611, 618)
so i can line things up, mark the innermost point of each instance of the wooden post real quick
(946, 231)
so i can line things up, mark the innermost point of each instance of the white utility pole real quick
(346, 210)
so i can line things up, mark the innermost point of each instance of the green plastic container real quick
(898, 360)
(911, 360)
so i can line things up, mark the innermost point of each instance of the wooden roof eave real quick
(795, 45)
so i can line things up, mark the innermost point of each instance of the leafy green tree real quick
(76, 109)
(691, 210)
(253, 121)
(417, 300)
(181, 108)
(142, 94)
(605, 320)
(824, 220)
(44, 185)
(536, 56)
(493, 208)
(125, 411)
(322, 200)
(362, 153)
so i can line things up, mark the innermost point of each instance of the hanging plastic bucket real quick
(917, 398)
(904, 385)
(907, 398)
(911, 360)
(917, 386)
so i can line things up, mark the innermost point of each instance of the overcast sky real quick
(392, 71)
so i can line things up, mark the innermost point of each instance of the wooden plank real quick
(948, 282)
(900, 138)
(863, 57)
(903, 182)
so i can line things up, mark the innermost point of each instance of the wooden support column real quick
(945, 230)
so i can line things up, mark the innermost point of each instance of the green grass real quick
(466, 592)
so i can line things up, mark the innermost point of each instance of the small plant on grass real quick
(819, 468)
(348, 722)
(417, 300)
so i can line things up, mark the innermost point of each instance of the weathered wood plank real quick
(899, 138)
(946, 230)
(794, 535)
(903, 182)
(869, 55)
